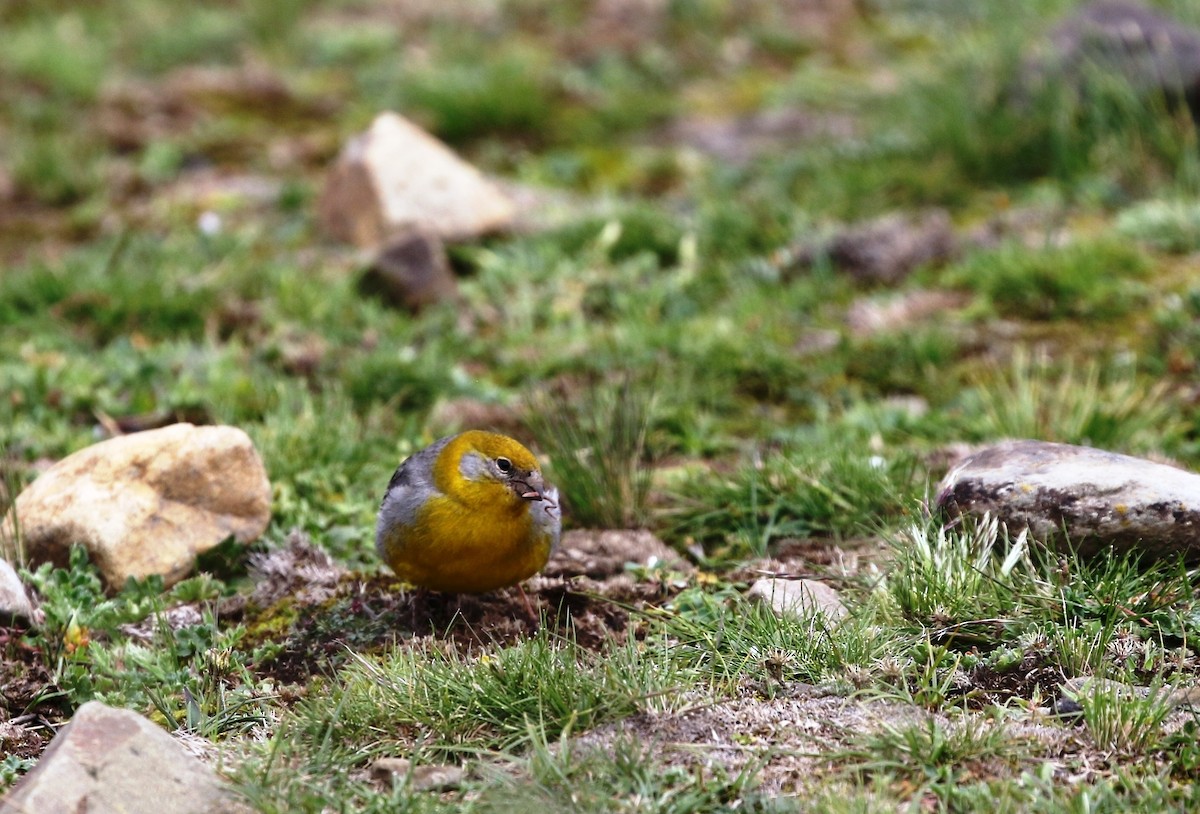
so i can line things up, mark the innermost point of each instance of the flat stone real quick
(798, 597)
(397, 770)
(114, 760)
(884, 250)
(1092, 498)
(14, 599)
(889, 313)
(147, 503)
(396, 176)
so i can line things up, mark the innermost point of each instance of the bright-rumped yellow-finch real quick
(469, 513)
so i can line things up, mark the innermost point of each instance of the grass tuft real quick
(1109, 408)
(944, 576)
(798, 491)
(1092, 280)
(1120, 719)
(596, 442)
(457, 702)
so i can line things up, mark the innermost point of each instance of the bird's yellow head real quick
(487, 466)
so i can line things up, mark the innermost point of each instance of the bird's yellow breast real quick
(477, 542)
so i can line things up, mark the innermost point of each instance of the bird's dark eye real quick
(504, 465)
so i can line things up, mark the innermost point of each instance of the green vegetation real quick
(1092, 280)
(161, 260)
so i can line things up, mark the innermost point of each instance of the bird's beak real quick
(533, 487)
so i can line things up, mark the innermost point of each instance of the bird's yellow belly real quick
(451, 550)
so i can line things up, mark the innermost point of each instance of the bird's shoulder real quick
(411, 488)
(417, 469)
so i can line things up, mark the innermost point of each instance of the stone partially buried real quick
(146, 503)
(114, 760)
(1084, 498)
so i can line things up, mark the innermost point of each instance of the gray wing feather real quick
(411, 485)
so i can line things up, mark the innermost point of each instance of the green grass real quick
(822, 487)
(1122, 721)
(948, 576)
(596, 442)
(729, 643)
(465, 703)
(937, 757)
(1170, 226)
(1092, 280)
(670, 375)
(1110, 407)
(627, 777)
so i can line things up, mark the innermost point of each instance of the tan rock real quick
(114, 760)
(799, 597)
(396, 176)
(146, 503)
(393, 771)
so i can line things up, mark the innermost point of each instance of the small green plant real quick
(908, 361)
(1081, 647)
(718, 636)
(596, 443)
(937, 680)
(1121, 719)
(1184, 747)
(626, 776)
(629, 232)
(947, 577)
(13, 768)
(1001, 118)
(937, 757)
(1176, 336)
(75, 606)
(511, 90)
(464, 702)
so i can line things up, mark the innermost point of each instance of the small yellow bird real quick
(470, 513)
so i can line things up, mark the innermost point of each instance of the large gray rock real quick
(146, 503)
(113, 760)
(395, 176)
(1091, 498)
(1152, 52)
